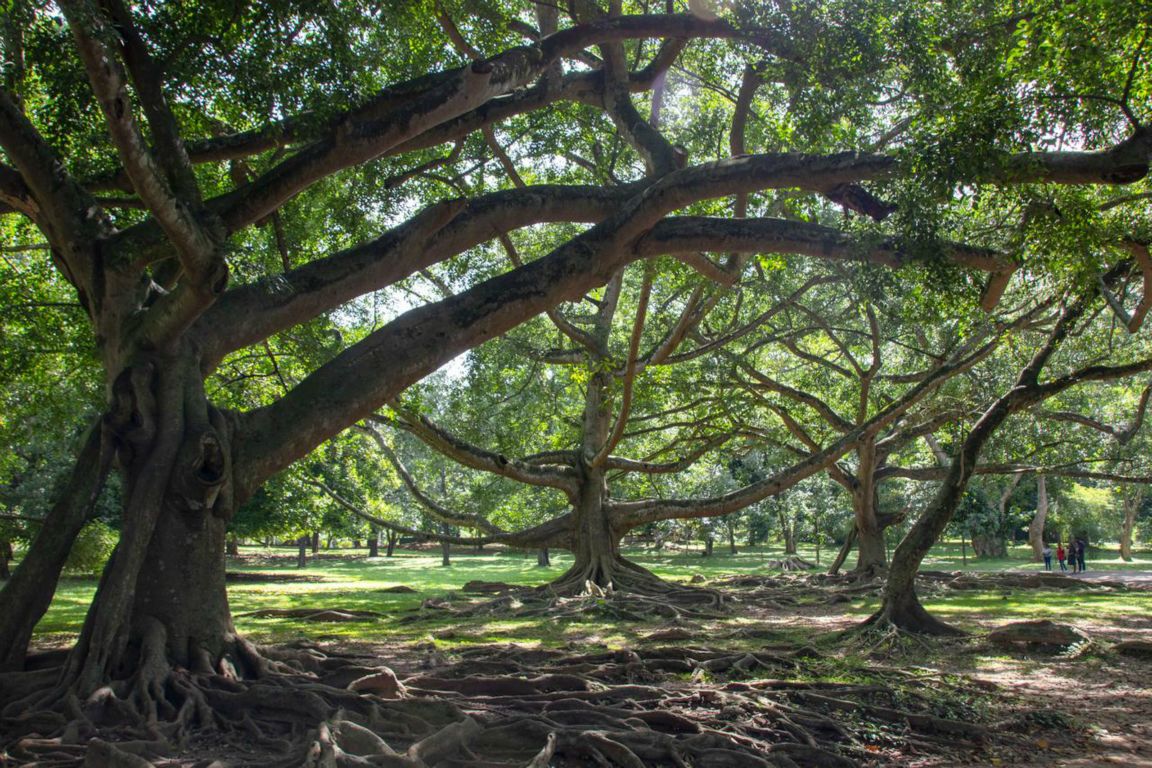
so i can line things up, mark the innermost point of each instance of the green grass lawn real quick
(349, 580)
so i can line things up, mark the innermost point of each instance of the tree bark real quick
(5, 557)
(445, 547)
(709, 543)
(731, 537)
(391, 540)
(1036, 527)
(233, 546)
(871, 549)
(788, 530)
(302, 544)
(845, 550)
(1132, 501)
(374, 542)
(162, 598)
(543, 559)
(316, 542)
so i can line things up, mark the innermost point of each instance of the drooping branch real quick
(818, 405)
(434, 508)
(463, 452)
(554, 533)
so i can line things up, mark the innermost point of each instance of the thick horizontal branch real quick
(251, 313)
(406, 111)
(370, 373)
(928, 474)
(693, 234)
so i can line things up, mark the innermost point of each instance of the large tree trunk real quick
(901, 606)
(1132, 501)
(391, 541)
(374, 542)
(316, 542)
(731, 536)
(5, 558)
(871, 549)
(709, 545)
(302, 551)
(162, 598)
(788, 531)
(1036, 527)
(543, 559)
(989, 545)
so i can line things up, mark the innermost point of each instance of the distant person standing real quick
(1060, 555)
(1081, 546)
(1072, 555)
(1047, 552)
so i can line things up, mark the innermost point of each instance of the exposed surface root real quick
(668, 705)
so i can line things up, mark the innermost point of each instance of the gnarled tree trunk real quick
(162, 599)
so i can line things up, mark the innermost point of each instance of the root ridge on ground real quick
(668, 705)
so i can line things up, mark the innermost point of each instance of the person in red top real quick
(1060, 555)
